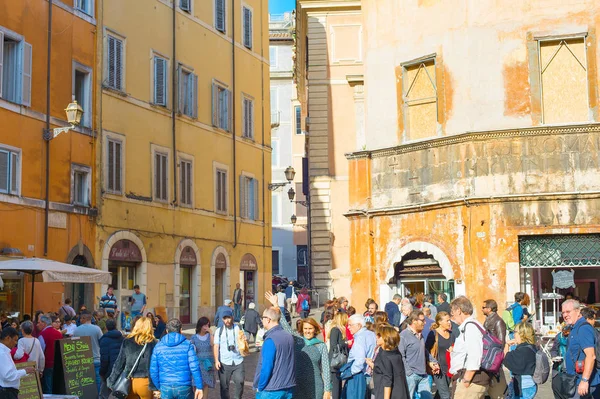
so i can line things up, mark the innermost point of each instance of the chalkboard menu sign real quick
(74, 372)
(30, 387)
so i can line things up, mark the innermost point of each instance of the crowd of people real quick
(412, 349)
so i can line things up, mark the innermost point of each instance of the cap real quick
(227, 302)
(227, 313)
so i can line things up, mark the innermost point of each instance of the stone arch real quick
(142, 270)
(84, 251)
(227, 283)
(79, 293)
(196, 278)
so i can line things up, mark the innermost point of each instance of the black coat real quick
(110, 346)
(252, 321)
(388, 371)
(130, 350)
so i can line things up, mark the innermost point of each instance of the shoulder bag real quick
(123, 384)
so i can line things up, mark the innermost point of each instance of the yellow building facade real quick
(183, 149)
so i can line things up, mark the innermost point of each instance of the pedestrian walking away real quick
(303, 305)
(203, 341)
(110, 347)
(87, 329)
(291, 298)
(521, 363)
(389, 373)
(66, 309)
(174, 368)
(252, 322)
(31, 346)
(229, 361)
(392, 308)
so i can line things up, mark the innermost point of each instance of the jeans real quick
(304, 313)
(176, 392)
(225, 375)
(98, 379)
(442, 384)
(237, 311)
(419, 385)
(526, 393)
(47, 380)
(283, 394)
(134, 313)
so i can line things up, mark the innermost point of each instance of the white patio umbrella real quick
(53, 271)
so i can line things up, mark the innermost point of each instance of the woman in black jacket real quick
(141, 384)
(337, 341)
(521, 363)
(252, 321)
(389, 376)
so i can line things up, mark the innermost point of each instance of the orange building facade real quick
(63, 231)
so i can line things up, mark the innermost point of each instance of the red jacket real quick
(50, 335)
(301, 298)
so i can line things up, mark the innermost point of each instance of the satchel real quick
(339, 357)
(123, 384)
(25, 357)
(564, 385)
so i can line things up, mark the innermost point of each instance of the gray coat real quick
(252, 321)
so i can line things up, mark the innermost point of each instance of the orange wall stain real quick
(516, 87)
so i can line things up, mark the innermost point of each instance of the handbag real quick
(564, 385)
(339, 357)
(346, 371)
(25, 357)
(123, 384)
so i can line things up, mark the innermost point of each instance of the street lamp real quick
(289, 176)
(294, 219)
(74, 113)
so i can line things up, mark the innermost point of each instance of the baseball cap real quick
(227, 302)
(227, 313)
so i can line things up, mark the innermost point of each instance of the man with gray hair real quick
(363, 348)
(174, 367)
(405, 310)
(47, 337)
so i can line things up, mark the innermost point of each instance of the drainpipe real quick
(173, 97)
(262, 113)
(233, 122)
(47, 196)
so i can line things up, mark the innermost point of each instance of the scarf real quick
(312, 341)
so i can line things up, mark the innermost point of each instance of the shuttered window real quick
(221, 106)
(221, 191)
(185, 5)
(188, 93)
(298, 119)
(220, 15)
(15, 70)
(248, 198)
(114, 63)
(114, 166)
(186, 182)
(9, 171)
(161, 181)
(160, 81)
(248, 115)
(247, 27)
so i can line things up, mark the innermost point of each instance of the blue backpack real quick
(305, 305)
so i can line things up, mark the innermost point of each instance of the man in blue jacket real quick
(275, 376)
(392, 308)
(174, 366)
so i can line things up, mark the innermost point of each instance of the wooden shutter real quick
(111, 166)
(26, 75)
(181, 84)
(185, 5)
(243, 197)
(251, 119)
(163, 182)
(117, 166)
(160, 80)
(220, 15)
(228, 113)
(215, 105)
(247, 27)
(256, 201)
(194, 95)
(1, 59)
(118, 64)
(4, 170)
(14, 173)
(190, 182)
(157, 175)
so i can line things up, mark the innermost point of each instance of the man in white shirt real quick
(470, 382)
(10, 377)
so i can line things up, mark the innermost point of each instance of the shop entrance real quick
(123, 262)
(220, 279)
(248, 267)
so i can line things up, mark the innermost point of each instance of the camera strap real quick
(226, 336)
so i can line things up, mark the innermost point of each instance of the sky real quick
(281, 6)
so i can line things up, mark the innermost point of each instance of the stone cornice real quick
(473, 136)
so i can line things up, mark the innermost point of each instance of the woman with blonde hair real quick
(139, 344)
(337, 344)
(521, 363)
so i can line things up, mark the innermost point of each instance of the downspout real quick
(173, 114)
(233, 103)
(47, 196)
(262, 113)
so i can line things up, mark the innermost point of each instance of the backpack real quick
(542, 366)
(507, 316)
(493, 351)
(305, 305)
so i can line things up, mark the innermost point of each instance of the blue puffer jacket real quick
(174, 363)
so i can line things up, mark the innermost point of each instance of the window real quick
(80, 185)
(82, 91)
(275, 153)
(273, 57)
(15, 70)
(248, 198)
(275, 106)
(10, 171)
(248, 115)
(160, 69)
(276, 209)
(114, 174)
(247, 27)
(187, 182)
(115, 63)
(298, 119)
(220, 15)
(221, 191)
(564, 80)
(161, 176)
(87, 6)
(221, 107)
(420, 99)
(275, 263)
(302, 255)
(185, 5)
(188, 93)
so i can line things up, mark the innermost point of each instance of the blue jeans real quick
(176, 393)
(526, 393)
(419, 385)
(47, 380)
(98, 379)
(283, 394)
(237, 312)
(134, 313)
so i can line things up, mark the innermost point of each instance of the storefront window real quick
(11, 295)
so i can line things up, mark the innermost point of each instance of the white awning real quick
(53, 271)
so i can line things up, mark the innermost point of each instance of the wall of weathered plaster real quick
(487, 80)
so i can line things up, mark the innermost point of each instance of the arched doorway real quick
(80, 294)
(220, 276)
(187, 280)
(248, 268)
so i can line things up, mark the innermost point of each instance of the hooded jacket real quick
(174, 363)
(129, 353)
(110, 346)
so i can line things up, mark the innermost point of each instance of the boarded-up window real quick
(563, 69)
(420, 100)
